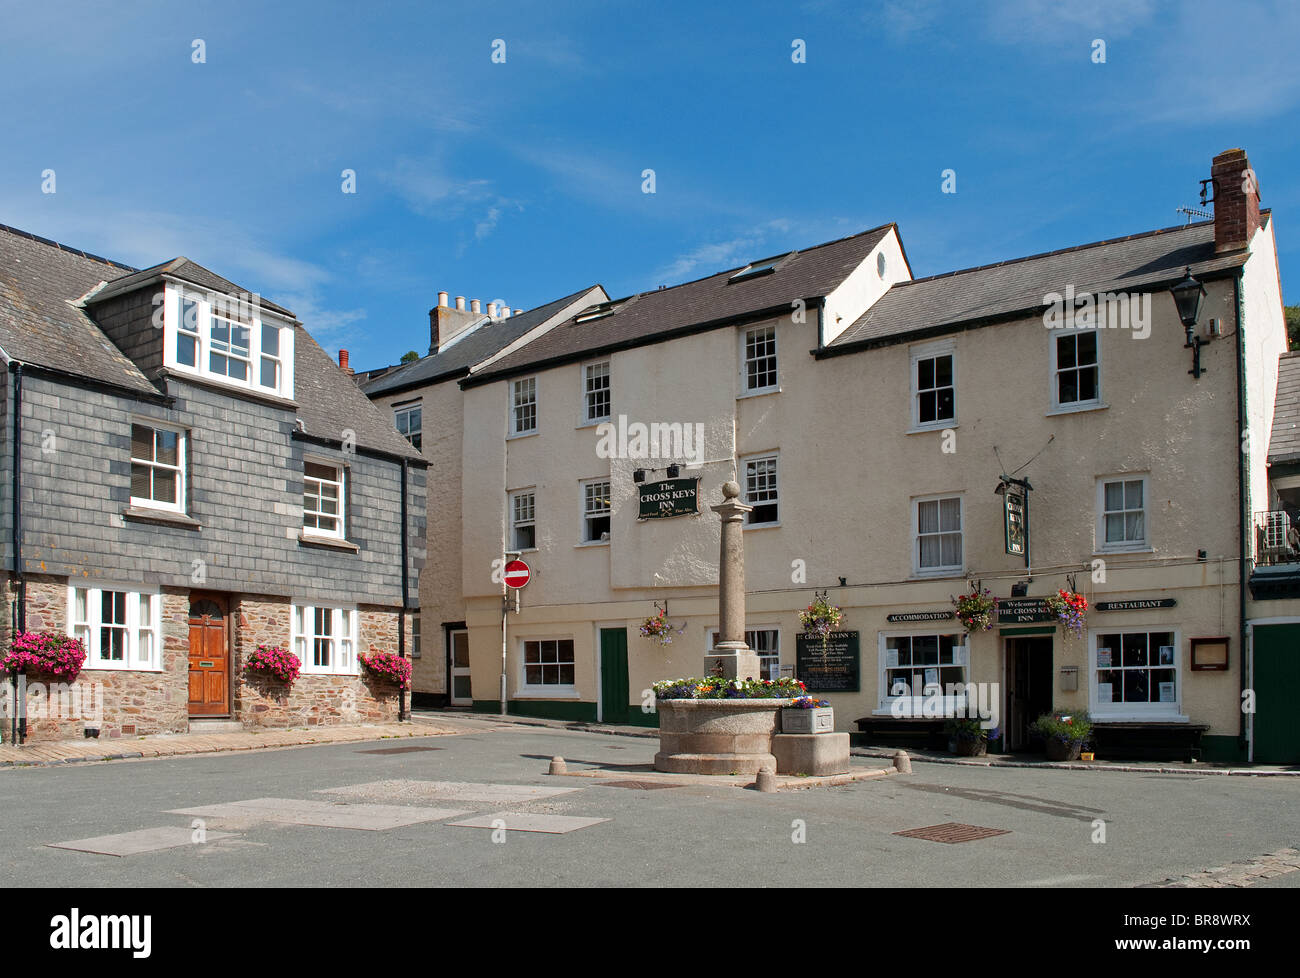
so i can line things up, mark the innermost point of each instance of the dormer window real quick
(228, 339)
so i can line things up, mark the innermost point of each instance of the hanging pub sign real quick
(1014, 520)
(672, 497)
(922, 616)
(1141, 604)
(1023, 611)
(832, 670)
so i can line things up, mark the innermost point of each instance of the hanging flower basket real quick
(976, 610)
(658, 627)
(820, 619)
(388, 666)
(1070, 609)
(274, 662)
(45, 654)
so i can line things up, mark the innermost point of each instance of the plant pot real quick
(1063, 750)
(968, 748)
(820, 719)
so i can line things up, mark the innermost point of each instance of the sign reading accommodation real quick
(1022, 611)
(672, 497)
(922, 616)
(836, 670)
(1015, 528)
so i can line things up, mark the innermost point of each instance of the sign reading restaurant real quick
(672, 497)
(1141, 604)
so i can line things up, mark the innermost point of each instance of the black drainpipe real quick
(18, 727)
(1244, 514)
(406, 592)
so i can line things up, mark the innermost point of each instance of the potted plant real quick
(821, 618)
(967, 737)
(976, 610)
(275, 662)
(1064, 734)
(45, 654)
(1070, 609)
(807, 715)
(387, 666)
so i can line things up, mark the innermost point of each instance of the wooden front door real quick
(209, 658)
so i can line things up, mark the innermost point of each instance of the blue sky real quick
(521, 180)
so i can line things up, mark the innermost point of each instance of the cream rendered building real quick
(869, 419)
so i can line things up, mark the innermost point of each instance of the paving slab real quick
(141, 840)
(294, 811)
(461, 791)
(527, 822)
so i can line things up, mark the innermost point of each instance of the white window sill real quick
(591, 543)
(525, 550)
(758, 393)
(593, 423)
(336, 543)
(523, 434)
(1077, 408)
(114, 667)
(938, 573)
(1117, 552)
(763, 526)
(304, 671)
(547, 693)
(150, 514)
(922, 429)
(1131, 718)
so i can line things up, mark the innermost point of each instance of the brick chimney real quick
(343, 363)
(446, 322)
(1236, 201)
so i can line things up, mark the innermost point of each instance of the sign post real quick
(514, 576)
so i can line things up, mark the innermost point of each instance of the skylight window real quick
(755, 269)
(595, 312)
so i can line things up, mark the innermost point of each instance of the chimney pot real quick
(343, 361)
(474, 306)
(460, 302)
(442, 299)
(492, 309)
(505, 312)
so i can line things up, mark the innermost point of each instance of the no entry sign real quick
(517, 574)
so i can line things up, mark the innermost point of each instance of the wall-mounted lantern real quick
(1188, 295)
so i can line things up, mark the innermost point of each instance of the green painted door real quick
(614, 698)
(1277, 690)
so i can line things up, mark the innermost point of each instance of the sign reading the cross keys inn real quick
(1015, 527)
(672, 497)
(835, 671)
(1020, 611)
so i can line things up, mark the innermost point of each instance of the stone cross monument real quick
(731, 657)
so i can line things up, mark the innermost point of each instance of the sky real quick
(499, 149)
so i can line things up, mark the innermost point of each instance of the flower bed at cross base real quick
(388, 666)
(46, 654)
(717, 688)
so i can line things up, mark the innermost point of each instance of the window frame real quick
(302, 641)
(587, 417)
(181, 468)
(552, 688)
(340, 532)
(945, 570)
(745, 389)
(515, 524)
(514, 407)
(408, 408)
(1127, 546)
(1058, 333)
(174, 297)
(1120, 711)
(931, 351)
(744, 462)
(885, 701)
(132, 660)
(586, 515)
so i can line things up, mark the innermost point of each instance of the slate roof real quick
(39, 280)
(648, 317)
(39, 324)
(477, 346)
(1284, 441)
(1007, 288)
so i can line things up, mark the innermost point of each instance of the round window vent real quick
(880, 264)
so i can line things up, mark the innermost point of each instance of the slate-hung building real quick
(869, 419)
(424, 401)
(194, 477)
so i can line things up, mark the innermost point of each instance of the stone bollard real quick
(902, 763)
(557, 765)
(766, 780)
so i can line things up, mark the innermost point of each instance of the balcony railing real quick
(1277, 538)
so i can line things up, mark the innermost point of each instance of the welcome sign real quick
(672, 497)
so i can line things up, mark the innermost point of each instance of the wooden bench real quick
(1139, 740)
(902, 732)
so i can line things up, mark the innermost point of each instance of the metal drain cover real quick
(953, 832)
(641, 785)
(397, 750)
